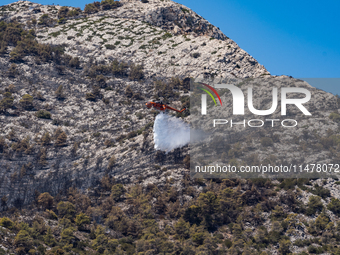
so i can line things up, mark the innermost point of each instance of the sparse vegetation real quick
(45, 20)
(266, 141)
(60, 93)
(12, 34)
(74, 62)
(94, 95)
(335, 116)
(110, 46)
(196, 55)
(7, 102)
(111, 163)
(27, 102)
(61, 139)
(136, 72)
(43, 114)
(166, 36)
(103, 5)
(132, 198)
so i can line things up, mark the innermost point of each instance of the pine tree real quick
(61, 140)
(60, 93)
(42, 159)
(49, 238)
(46, 139)
(26, 102)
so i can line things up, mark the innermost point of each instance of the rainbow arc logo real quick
(209, 93)
(204, 97)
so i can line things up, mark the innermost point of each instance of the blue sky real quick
(297, 38)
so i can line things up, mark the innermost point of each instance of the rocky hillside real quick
(84, 50)
(145, 33)
(78, 170)
(314, 140)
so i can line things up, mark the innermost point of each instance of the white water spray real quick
(170, 133)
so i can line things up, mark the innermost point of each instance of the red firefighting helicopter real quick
(162, 107)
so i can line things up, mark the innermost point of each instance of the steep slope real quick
(93, 42)
(73, 123)
(129, 32)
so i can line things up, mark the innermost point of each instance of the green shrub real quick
(6, 223)
(334, 206)
(60, 21)
(10, 32)
(51, 215)
(23, 240)
(62, 13)
(112, 244)
(321, 222)
(91, 8)
(26, 102)
(16, 57)
(117, 191)
(314, 205)
(128, 91)
(45, 20)
(284, 247)
(45, 200)
(61, 139)
(321, 191)
(110, 4)
(74, 12)
(335, 116)
(95, 94)
(112, 162)
(198, 238)
(166, 35)
(278, 213)
(6, 103)
(119, 68)
(136, 72)
(101, 81)
(74, 62)
(90, 96)
(196, 54)
(3, 147)
(100, 243)
(314, 250)
(49, 238)
(66, 209)
(81, 220)
(46, 139)
(266, 141)
(12, 71)
(182, 229)
(110, 46)
(43, 114)
(185, 10)
(60, 93)
(67, 236)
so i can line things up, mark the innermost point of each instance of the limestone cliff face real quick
(168, 38)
